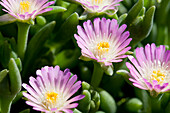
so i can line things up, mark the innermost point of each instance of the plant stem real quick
(97, 75)
(23, 29)
(155, 104)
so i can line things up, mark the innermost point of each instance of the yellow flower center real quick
(97, 1)
(158, 75)
(103, 47)
(51, 97)
(24, 6)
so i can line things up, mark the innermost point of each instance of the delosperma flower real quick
(103, 41)
(26, 9)
(151, 69)
(98, 6)
(52, 90)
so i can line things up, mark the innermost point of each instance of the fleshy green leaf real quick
(148, 21)
(14, 76)
(56, 9)
(6, 102)
(5, 53)
(125, 75)
(76, 111)
(85, 86)
(70, 10)
(68, 28)
(3, 74)
(18, 97)
(9, 87)
(19, 64)
(13, 44)
(134, 12)
(122, 18)
(35, 45)
(84, 104)
(145, 98)
(134, 105)
(95, 101)
(142, 12)
(107, 102)
(142, 26)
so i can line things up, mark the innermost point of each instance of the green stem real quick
(97, 75)
(156, 104)
(23, 29)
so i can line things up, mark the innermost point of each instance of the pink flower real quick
(103, 41)
(99, 6)
(26, 9)
(151, 68)
(52, 90)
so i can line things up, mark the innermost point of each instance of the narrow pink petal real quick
(139, 86)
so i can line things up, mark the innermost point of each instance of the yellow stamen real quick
(51, 97)
(103, 47)
(97, 1)
(24, 6)
(158, 75)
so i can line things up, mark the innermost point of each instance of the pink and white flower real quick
(98, 6)
(103, 41)
(26, 9)
(151, 68)
(52, 90)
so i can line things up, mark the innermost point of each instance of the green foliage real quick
(35, 45)
(3, 74)
(56, 9)
(4, 53)
(134, 105)
(67, 29)
(139, 23)
(91, 102)
(10, 86)
(107, 101)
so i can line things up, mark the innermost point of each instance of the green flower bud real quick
(40, 20)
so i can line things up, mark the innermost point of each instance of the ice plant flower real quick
(151, 69)
(52, 90)
(98, 6)
(103, 41)
(26, 9)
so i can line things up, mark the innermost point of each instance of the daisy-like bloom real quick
(26, 9)
(98, 6)
(104, 41)
(151, 69)
(52, 90)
